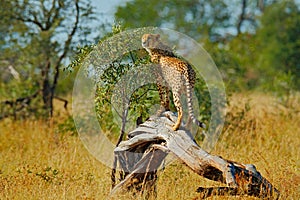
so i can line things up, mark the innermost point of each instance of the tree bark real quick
(141, 155)
(242, 16)
(45, 88)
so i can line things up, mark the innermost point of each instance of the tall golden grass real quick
(39, 162)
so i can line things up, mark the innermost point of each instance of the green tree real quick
(197, 19)
(116, 80)
(109, 98)
(227, 33)
(279, 43)
(266, 56)
(36, 39)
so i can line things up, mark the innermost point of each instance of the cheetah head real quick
(150, 41)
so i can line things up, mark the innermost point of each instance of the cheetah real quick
(177, 73)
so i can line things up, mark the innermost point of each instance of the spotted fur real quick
(177, 73)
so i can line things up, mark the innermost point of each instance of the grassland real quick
(37, 161)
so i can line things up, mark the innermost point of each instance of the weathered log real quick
(147, 146)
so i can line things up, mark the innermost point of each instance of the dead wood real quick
(142, 154)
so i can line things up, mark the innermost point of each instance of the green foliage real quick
(264, 55)
(267, 47)
(48, 174)
(237, 61)
(140, 100)
(203, 99)
(80, 55)
(279, 35)
(194, 18)
(67, 127)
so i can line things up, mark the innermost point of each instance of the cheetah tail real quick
(190, 106)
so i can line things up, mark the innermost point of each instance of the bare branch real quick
(63, 100)
(242, 16)
(54, 10)
(65, 51)
(66, 46)
(34, 21)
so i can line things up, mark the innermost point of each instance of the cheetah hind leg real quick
(164, 99)
(179, 111)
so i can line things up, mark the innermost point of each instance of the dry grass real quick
(37, 162)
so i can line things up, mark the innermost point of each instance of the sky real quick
(107, 8)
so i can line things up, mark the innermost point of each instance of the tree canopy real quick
(194, 18)
(250, 41)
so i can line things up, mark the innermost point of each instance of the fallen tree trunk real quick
(147, 146)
